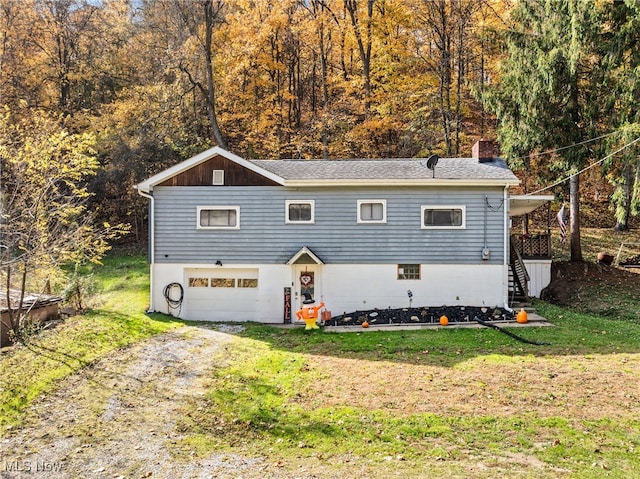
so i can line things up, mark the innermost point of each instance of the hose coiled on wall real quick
(173, 303)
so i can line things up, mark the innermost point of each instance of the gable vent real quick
(218, 177)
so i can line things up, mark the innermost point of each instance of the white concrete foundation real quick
(343, 288)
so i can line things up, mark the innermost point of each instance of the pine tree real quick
(545, 95)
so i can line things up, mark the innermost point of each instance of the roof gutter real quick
(401, 182)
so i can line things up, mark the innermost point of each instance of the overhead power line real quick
(585, 168)
(548, 152)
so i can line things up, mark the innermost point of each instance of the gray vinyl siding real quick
(335, 236)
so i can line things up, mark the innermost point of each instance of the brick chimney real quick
(483, 150)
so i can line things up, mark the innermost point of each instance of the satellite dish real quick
(432, 161)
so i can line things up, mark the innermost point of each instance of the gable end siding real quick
(202, 175)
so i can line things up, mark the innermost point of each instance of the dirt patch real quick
(117, 418)
(570, 281)
(570, 386)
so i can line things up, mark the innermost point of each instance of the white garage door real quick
(221, 294)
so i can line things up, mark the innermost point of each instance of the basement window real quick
(408, 271)
(443, 217)
(219, 217)
(300, 211)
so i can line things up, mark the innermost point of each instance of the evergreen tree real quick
(545, 97)
(620, 94)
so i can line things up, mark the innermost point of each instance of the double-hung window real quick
(372, 211)
(219, 217)
(443, 217)
(299, 211)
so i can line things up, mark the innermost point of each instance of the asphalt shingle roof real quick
(387, 169)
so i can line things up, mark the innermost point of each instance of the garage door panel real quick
(221, 295)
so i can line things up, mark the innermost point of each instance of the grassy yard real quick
(432, 403)
(116, 320)
(595, 240)
(454, 402)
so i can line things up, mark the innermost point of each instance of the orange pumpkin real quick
(444, 320)
(522, 317)
(365, 324)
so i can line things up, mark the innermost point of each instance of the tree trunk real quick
(8, 298)
(364, 45)
(574, 217)
(622, 223)
(325, 92)
(210, 16)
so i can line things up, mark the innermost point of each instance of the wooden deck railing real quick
(533, 246)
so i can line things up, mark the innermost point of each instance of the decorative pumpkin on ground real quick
(522, 316)
(365, 324)
(444, 320)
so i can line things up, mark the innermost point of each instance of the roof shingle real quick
(391, 169)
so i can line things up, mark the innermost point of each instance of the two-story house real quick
(233, 239)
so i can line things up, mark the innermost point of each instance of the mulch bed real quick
(422, 315)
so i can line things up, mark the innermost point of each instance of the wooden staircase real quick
(519, 278)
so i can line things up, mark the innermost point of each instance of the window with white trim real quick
(372, 211)
(299, 211)
(219, 217)
(443, 217)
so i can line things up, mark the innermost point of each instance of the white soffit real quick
(523, 204)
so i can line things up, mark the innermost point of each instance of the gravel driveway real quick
(117, 418)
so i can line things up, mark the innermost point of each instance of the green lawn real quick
(330, 405)
(116, 320)
(272, 401)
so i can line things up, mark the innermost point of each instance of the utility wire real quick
(585, 168)
(548, 152)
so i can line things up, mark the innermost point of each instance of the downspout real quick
(151, 246)
(505, 248)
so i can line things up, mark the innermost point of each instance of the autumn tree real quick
(63, 36)
(322, 22)
(445, 48)
(45, 223)
(360, 14)
(182, 36)
(13, 33)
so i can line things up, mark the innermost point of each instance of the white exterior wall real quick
(161, 276)
(539, 275)
(349, 288)
(346, 288)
